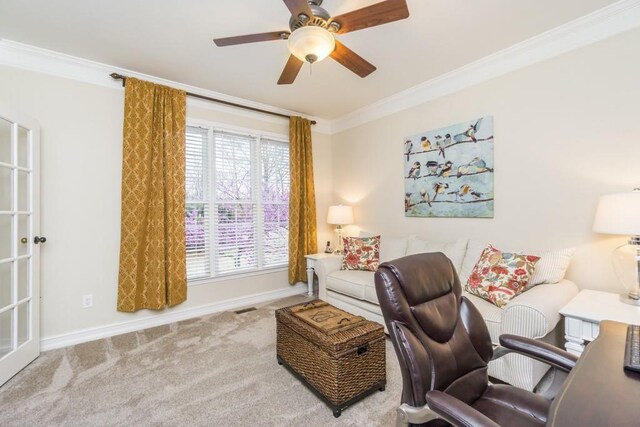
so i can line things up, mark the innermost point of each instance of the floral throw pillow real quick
(361, 253)
(499, 276)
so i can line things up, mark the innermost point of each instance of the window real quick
(237, 202)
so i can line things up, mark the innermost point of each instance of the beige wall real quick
(566, 130)
(81, 154)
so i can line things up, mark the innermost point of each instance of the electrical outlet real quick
(87, 301)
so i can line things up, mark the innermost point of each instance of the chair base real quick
(414, 415)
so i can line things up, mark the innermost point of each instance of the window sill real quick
(233, 276)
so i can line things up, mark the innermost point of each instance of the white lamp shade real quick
(340, 215)
(618, 213)
(311, 42)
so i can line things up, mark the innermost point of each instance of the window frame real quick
(211, 127)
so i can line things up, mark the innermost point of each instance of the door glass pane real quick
(5, 141)
(6, 284)
(23, 191)
(23, 279)
(23, 147)
(5, 188)
(23, 232)
(5, 232)
(6, 332)
(23, 323)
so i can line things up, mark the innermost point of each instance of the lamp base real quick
(627, 299)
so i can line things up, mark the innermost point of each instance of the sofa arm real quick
(324, 267)
(534, 313)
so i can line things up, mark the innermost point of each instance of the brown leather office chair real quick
(443, 347)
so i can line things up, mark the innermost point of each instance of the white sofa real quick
(533, 314)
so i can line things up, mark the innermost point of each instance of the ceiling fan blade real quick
(296, 7)
(290, 71)
(251, 38)
(370, 16)
(352, 60)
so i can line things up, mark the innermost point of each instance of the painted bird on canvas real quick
(426, 144)
(476, 165)
(440, 188)
(432, 167)
(466, 190)
(407, 201)
(470, 133)
(414, 172)
(408, 146)
(446, 169)
(441, 145)
(425, 197)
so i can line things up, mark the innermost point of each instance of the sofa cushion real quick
(455, 251)
(361, 253)
(499, 276)
(350, 282)
(390, 247)
(471, 257)
(552, 266)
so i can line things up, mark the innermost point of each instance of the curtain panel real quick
(152, 247)
(302, 200)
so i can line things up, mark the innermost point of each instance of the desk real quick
(599, 392)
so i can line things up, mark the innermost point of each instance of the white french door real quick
(19, 243)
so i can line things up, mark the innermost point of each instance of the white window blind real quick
(275, 201)
(197, 203)
(237, 202)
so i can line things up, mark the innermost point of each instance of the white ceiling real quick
(172, 39)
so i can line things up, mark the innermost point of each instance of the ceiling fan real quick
(311, 38)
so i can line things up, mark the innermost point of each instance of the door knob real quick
(38, 239)
(24, 240)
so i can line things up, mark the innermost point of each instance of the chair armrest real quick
(324, 267)
(456, 411)
(534, 313)
(540, 351)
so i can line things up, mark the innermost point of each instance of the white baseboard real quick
(90, 334)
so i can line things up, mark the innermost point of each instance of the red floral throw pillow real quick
(361, 253)
(499, 276)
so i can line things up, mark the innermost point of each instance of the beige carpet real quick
(216, 370)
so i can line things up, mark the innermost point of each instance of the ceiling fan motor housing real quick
(320, 18)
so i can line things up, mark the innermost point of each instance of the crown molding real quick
(609, 21)
(32, 58)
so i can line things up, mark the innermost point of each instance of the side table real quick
(312, 259)
(583, 314)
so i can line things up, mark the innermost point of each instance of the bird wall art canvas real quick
(448, 172)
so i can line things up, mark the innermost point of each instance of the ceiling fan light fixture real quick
(311, 43)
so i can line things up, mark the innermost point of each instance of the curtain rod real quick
(117, 76)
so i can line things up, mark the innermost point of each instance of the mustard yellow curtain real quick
(152, 247)
(302, 200)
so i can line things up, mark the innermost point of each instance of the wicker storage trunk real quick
(341, 367)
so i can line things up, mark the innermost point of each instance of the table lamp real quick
(619, 213)
(340, 215)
